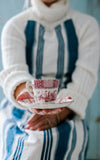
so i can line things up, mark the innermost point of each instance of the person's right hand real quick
(19, 89)
(22, 93)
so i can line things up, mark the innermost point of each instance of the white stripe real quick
(2, 121)
(50, 52)
(3, 102)
(35, 47)
(86, 140)
(55, 141)
(5, 114)
(80, 139)
(66, 51)
(71, 123)
(24, 119)
(33, 145)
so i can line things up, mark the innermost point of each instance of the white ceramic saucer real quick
(54, 104)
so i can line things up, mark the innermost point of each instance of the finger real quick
(48, 126)
(33, 118)
(62, 108)
(33, 110)
(34, 123)
(47, 110)
(50, 111)
(39, 124)
(38, 110)
(27, 127)
(44, 120)
(54, 111)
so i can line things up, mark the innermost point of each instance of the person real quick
(48, 40)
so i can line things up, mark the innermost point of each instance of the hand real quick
(46, 121)
(45, 111)
(22, 93)
(42, 122)
(19, 89)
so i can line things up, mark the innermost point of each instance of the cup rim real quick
(44, 83)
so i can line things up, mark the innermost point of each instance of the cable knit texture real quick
(57, 11)
(13, 44)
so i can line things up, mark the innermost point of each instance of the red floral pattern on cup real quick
(44, 90)
(46, 84)
(47, 96)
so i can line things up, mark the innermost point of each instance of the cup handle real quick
(28, 85)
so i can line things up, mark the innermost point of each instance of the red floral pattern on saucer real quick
(27, 101)
(57, 101)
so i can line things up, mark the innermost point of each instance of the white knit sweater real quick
(13, 44)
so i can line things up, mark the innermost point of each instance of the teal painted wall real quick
(91, 7)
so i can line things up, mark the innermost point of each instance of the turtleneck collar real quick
(53, 13)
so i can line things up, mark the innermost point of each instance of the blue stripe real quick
(12, 131)
(4, 128)
(72, 49)
(18, 145)
(63, 140)
(17, 113)
(44, 142)
(73, 142)
(61, 52)
(4, 104)
(30, 41)
(21, 146)
(17, 148)
(50, 144)
(46, 151)
(20, 149)
(87, 146)
(47, 148)
(10, 140)
(40, 49)
(84, 140)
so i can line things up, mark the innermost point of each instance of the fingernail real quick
(32, 129)
(28, 121)
(26, 127)
(39, 129)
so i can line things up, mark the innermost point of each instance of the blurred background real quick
(92, 7)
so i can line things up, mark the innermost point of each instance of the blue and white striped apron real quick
(67, 141)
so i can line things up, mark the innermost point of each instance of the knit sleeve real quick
(84, 77)
(13, 58)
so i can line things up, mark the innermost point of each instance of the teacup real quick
(43, 90)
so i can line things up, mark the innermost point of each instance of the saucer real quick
(58, 103)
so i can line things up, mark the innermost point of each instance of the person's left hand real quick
(42, 122)
(45, 111)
